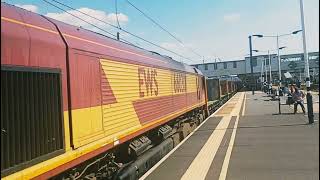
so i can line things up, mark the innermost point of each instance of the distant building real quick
(225, 68)
(292, 63)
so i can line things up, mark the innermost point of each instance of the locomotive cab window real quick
(31, 117)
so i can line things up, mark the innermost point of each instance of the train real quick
(76, 104)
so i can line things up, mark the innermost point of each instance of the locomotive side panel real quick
(15, 40)
(85, 84)
(132, 97)
(33, 58)
(24, 42)
(192, 90)
(145, 95)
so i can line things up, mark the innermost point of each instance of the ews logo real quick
(179, 82)
(148, 85)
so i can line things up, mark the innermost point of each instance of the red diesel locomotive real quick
(76, 104)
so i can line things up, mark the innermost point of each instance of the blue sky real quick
(214, 28)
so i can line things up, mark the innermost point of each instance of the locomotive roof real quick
(103, 46)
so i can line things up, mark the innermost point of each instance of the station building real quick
(292, 63)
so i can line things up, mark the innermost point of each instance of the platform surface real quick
(246, 140)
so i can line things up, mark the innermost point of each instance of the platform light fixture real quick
(278, 49)
(250, 47)
(306, 60)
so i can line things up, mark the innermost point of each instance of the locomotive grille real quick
(31, 117)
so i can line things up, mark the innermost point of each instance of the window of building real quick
(254, 62)
(234, 64)
(225, 65)
(215, 66)
(206, 67)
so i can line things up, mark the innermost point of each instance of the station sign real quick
(299, 58)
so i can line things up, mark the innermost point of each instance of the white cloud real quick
(28, 7)
(101, 15)
(234, 17)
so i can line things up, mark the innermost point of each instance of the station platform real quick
(246, 139)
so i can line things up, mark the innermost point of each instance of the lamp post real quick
(265, 69)
(306, 60)
(265, 73)
(270, 75)
(251, 66)
(278, 49)
(265, 65)
(261, 75)
(250, 46)
(278, 52)
(279, 61)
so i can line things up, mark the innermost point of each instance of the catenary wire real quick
(116, 6)
(85, 21)
(136, 36)
(161, 27)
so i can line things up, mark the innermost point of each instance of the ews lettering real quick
(148, 85)
(179, 82)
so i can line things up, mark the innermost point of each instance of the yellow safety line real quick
(202, 162)
(225, 165)
(244, 104)
(200, 166)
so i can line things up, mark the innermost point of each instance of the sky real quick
(214, 29)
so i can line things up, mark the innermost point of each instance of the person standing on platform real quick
(298, 97)
(270, 88)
